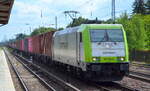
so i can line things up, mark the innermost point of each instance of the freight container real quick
(26, 44)
(22, 45)
(41, 44)
(30, 45)
(46, 43)
(36, 44)
(18, 44)
(15, 45)
(12, 44)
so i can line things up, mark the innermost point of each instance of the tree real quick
(60, 28)
(77, 22)
(41, 30)
(81, 20)
(129, 28)
(146, 20)
(139, 31)
(109, 21)
(20, 36)
(147, 5)
(137, 34)
(139, 7)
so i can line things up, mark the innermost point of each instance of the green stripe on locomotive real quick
(85, 29)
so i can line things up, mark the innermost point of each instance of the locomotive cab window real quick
(114, 35)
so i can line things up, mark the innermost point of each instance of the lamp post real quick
(29, 27)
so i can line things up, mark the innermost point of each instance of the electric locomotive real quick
(99, 51)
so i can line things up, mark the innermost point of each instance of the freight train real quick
(98, 52)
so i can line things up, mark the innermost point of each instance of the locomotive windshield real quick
(114, 35)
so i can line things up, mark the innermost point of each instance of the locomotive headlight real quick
(122, 59)
(95, 59)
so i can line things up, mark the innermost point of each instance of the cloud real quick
(46, 1)
(24, 8)
(56, 7)
(29, 11)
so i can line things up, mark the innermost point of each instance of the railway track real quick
(139, 76)
(113, 86)
(17, 74)
(68, 87)
(63, 86)
(140, 65)
(102, 86)
(29, 80)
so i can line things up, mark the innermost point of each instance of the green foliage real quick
(147, 5)
(137, 34)
(60, 29)
(80, 20)
(146, 20)
(139, 7)
(20, 36)
(77, 22)
(139, 31)
(109, 21)
(124, 20)
(41, 30)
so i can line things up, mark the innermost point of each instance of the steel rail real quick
(139, 73)
(124, 87)
(68, 85)
(17, 73)
(42, 80)
(140, 65)
(115, 85)
(139, 76)
(55, 78)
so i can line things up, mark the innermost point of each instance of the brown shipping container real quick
(46, 43)
(41, 44)
(18, 44)
(36, 44)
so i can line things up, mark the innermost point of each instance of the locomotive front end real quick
(105, 52)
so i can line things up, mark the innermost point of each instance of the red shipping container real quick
(30, 45)
(22, 45)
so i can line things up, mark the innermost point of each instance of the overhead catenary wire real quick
(91, 14)
(87, 2)
(91, 2)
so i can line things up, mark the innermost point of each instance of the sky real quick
(27, 15)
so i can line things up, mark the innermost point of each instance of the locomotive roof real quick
(91, 26)
(67, 30)
(105, 26)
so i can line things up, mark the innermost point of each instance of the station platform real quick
(6, 83)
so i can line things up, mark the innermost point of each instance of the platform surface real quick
(6, 83)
